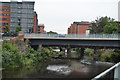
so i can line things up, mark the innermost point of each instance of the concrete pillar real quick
(94, 55)
(117, 73)
(37, 47)
(68, 50)
(61, 49)
(82, 52)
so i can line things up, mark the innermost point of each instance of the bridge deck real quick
(71, 38)
(74, 36)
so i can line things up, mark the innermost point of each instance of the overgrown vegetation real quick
(105, 25)
(0, 56)
(20, 54)
(105, 55)
(18, 29)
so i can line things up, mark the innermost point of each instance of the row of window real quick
(4, 10)
(4, 14)
(3, 24)
(4, 19)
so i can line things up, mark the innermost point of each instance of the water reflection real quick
(62, 69)
(59, 69)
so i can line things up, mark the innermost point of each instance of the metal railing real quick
(114, 69)
(7, 38)
(74, 35)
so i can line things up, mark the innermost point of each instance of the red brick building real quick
(40, 29)
(35, 23)
(79, 27)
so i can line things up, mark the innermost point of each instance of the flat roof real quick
(82, 23)
(14, 1)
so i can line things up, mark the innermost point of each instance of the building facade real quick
(17, 14)
(40, 29)
(4, 16)
(79, 28)
(35, 23)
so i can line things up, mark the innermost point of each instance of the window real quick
(4, 19)
(0, 24)
(4, 14)
(4, 10)
(3, 24)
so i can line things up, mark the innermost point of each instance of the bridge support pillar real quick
(62, 49)
(82, 53)
(36, 47)
(68, 49)
(95, 54)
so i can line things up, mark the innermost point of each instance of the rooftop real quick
(82, 23)
(41, 25)
(16, 1)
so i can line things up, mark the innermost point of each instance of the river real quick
(58, 68)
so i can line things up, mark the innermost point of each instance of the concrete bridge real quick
(73, 40)
(94, 41)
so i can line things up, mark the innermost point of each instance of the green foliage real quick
(43, 55)
(111, 28)
(89, 54)
(8, 46)
(18, 29)
(51, 32)
(110, 57)
(115, 57)
(98, 25)
(0, 56)
(6, 29)
(11, 56)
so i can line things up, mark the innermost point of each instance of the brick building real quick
(40, 29)
(35, 23)
(79, 28)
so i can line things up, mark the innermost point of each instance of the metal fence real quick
(7, 38)
(74, 35)
(112, 73)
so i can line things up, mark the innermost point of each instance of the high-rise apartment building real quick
(17, 14)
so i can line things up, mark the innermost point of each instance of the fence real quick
(112, 73)
(74, 35)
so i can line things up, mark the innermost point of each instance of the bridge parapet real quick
(73, 36)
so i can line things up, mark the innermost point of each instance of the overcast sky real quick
(58, 15)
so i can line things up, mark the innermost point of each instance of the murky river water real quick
(59, 69)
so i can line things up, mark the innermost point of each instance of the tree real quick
(98, 25)
(111, 28)
(18, 29)
(51, 32)
(6, 29)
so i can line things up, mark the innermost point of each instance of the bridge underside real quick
(76, 43)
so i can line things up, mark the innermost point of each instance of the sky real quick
(58, 15)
